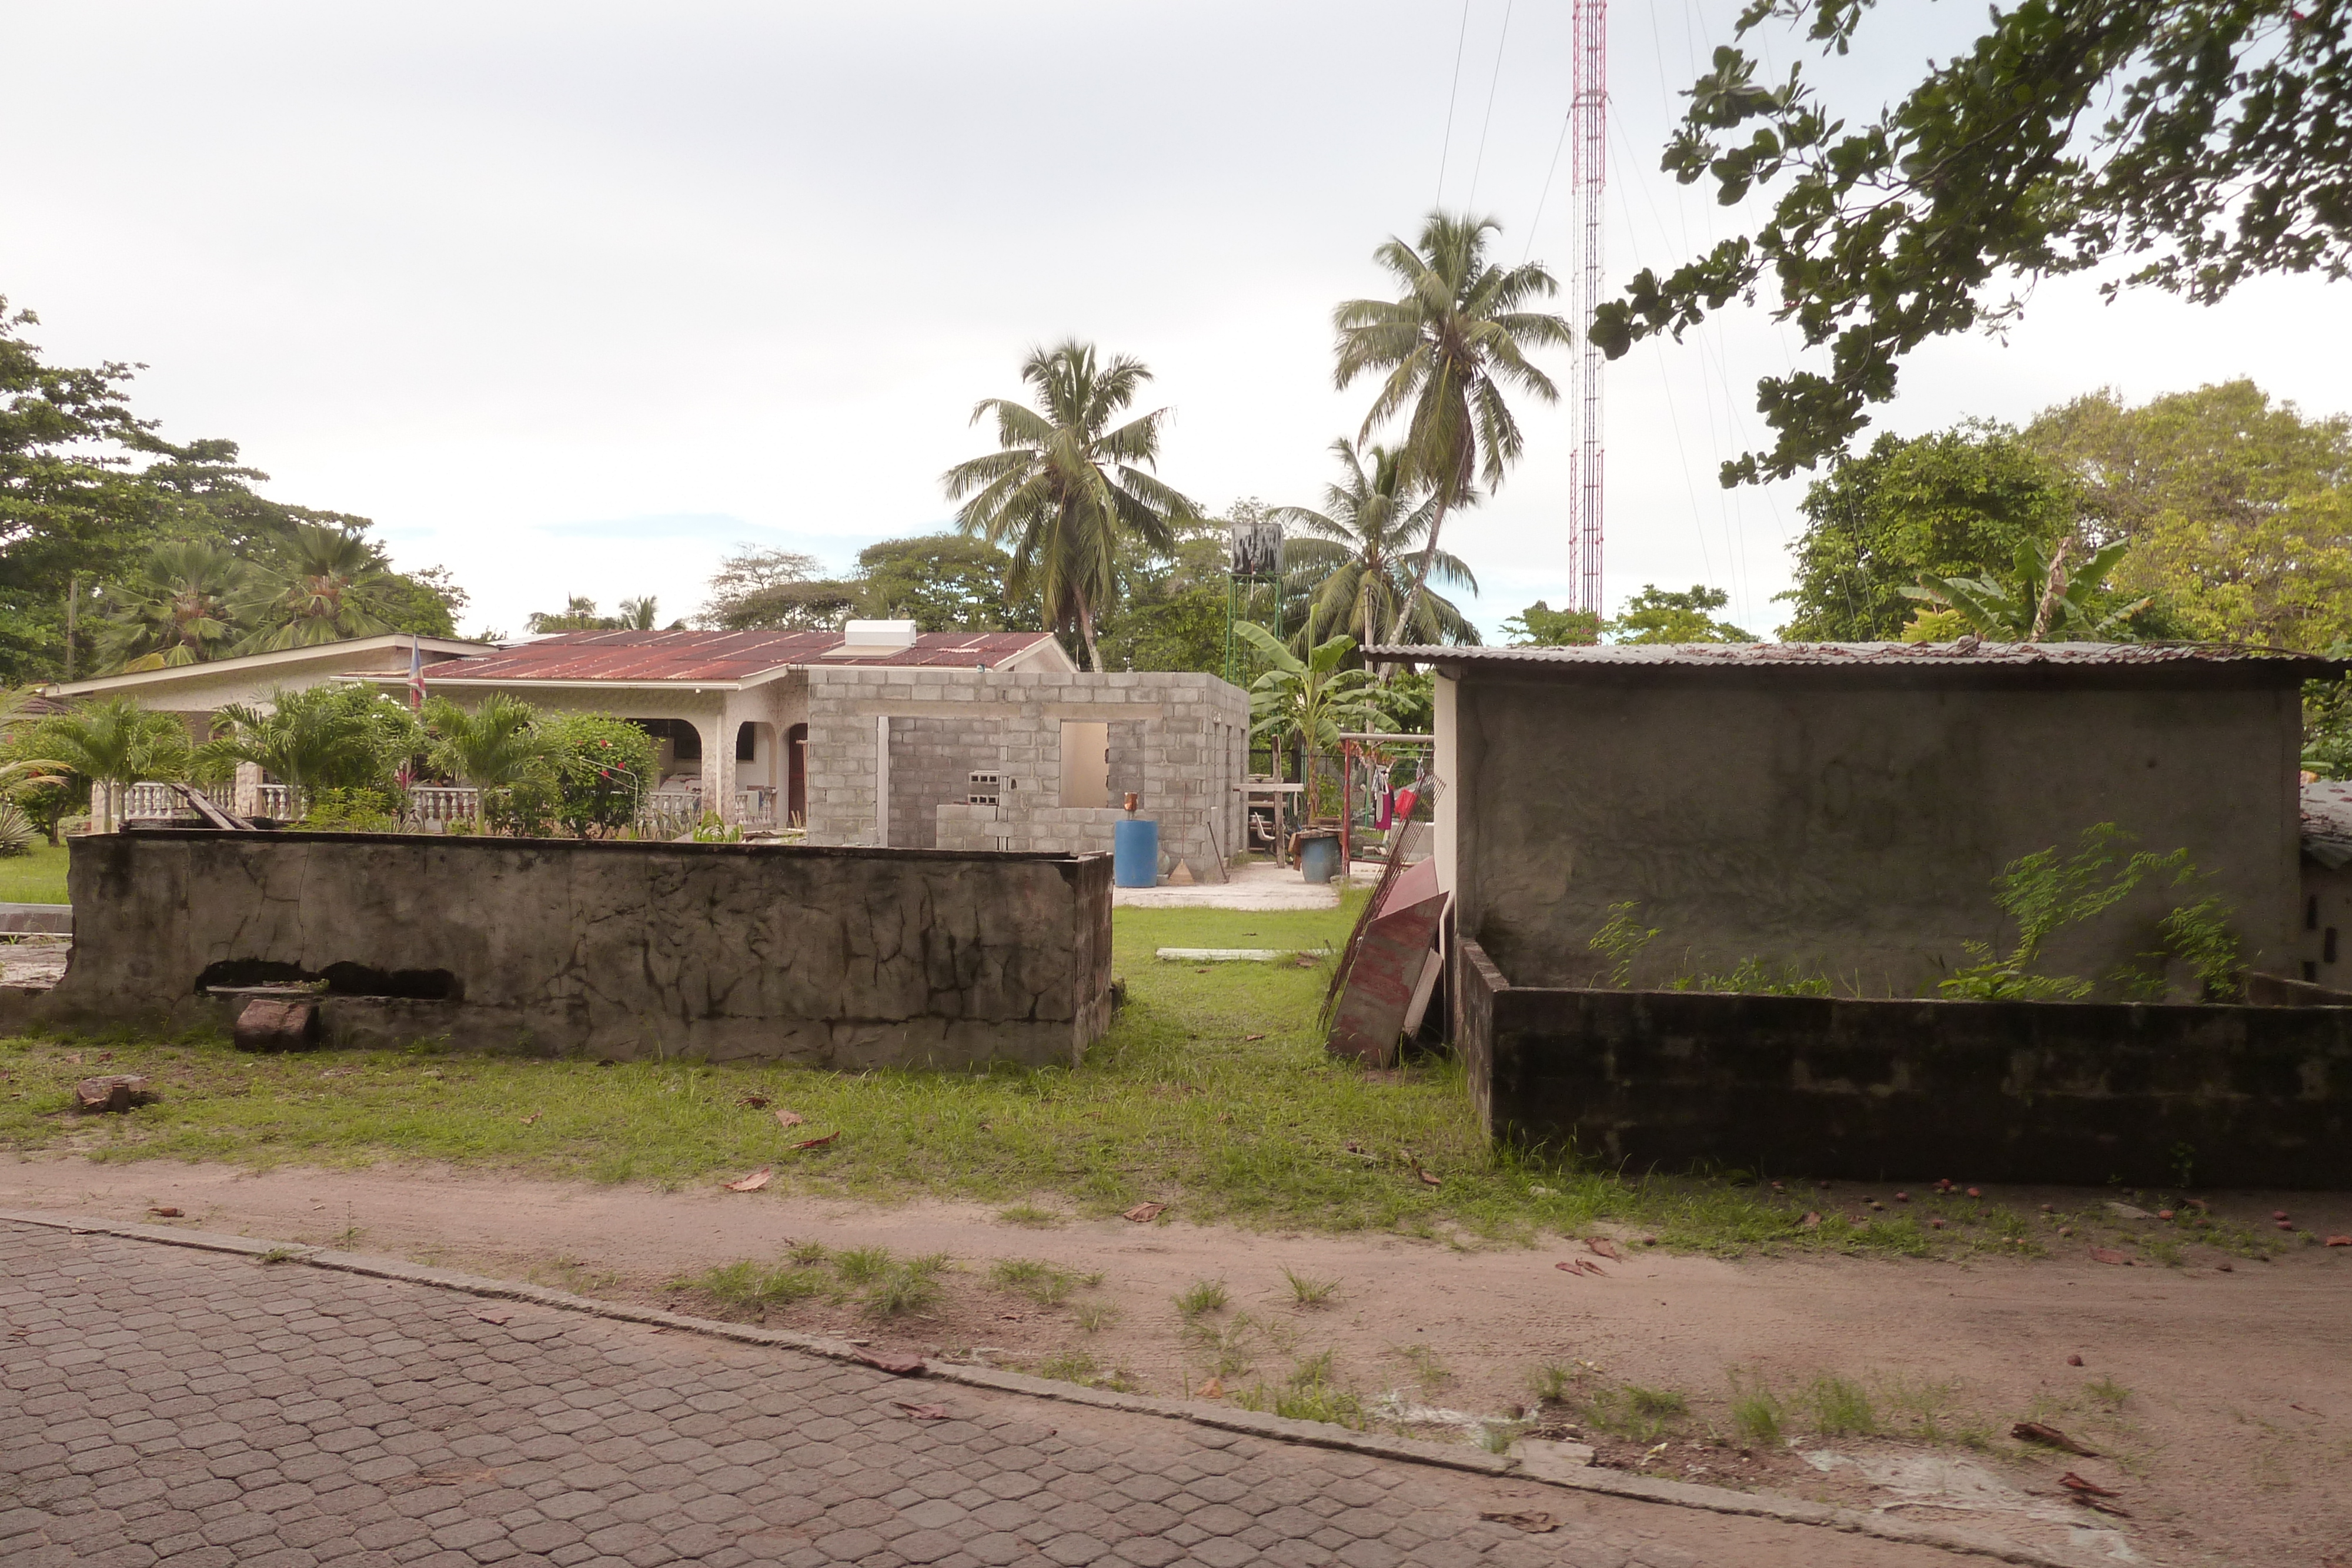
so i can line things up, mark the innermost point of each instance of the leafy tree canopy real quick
(1662, 615)
(943, 582)
(2238, 510)
(2193, 142)
(87, 493)
(1956, 504)
(1541, 626)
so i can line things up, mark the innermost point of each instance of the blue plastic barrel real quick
(1318, 856)
(1134, 852)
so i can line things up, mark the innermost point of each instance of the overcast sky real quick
(571, 297)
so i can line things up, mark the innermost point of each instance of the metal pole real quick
(73, 595)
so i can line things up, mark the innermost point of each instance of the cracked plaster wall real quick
(831, 957)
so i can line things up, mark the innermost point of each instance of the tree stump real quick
(278, 1023)
(118, 1091)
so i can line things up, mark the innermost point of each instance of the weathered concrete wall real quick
(1178, 740)
(831, 957)
(1848, 823)
(2084, 1094)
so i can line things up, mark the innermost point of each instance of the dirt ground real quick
(2219, 1399)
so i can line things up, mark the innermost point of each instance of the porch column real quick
(245, 792)
(718, 764)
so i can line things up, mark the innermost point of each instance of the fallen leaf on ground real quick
(1813, 1221)
(753, 1101)
(534, 1116)
(1602, 1246)
(2108, 1255)
(1571, 1267)
(786, 1118)
(923, 1412)
(2087, 1501)
(2074, 1482)
(2050, 1438)
(2339, 1241)
(1145, 1213)
(1533, 1523)
(1213, 1389)
(753, 1183)
(2073, 1360)
(1426, 1179)
(501, 1317)
(883, 1360)
(1253, 1037)
(818, 1143)
(1305, 962)
(164, 1211)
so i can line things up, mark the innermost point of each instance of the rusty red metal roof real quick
(714, 656)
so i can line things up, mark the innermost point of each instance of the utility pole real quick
(73, 597)
(1588, 174)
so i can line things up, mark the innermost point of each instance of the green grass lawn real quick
(1212, 1095)
(38, 876)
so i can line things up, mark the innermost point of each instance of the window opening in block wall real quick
(1086, 765)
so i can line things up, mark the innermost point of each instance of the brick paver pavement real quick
(159, 1404)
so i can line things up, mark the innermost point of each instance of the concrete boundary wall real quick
(829, 957)
(2074, 1093)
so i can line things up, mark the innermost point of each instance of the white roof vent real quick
(873, 640)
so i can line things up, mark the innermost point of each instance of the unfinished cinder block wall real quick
(892, 752)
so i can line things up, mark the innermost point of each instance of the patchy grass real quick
(1043, 1283)
(1212, 1093)
(1198, 1297)
(1313, 1392)
(37, 876)
(881, 1285)
(1636, 1414)
(1309, 1293)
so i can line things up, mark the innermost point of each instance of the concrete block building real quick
(1842, 810)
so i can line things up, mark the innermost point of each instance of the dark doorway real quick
(795, 776)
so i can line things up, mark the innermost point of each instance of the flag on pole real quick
(416, 673)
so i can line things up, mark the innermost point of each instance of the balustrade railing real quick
(433, 808)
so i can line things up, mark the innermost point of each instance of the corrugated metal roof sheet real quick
(1849, 655)
(713, 655)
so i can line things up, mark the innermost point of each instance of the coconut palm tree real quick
(1065, 481)
(174, 609)
(321, 585)
(1454, 337)
(1352, 557)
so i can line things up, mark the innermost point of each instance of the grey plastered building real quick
(1841, 809)
(1026, 760)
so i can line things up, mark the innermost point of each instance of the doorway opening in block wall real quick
(1086, 765)
(797, 776)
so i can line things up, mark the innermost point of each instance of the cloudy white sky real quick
(571, 297)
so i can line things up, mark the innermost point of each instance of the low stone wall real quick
(1185, 835)
(832, 958)
(2081, 1093)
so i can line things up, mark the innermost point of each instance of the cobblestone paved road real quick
(159, 1404)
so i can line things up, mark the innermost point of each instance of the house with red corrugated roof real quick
(876, 734)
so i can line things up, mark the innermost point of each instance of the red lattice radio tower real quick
(1588, 174)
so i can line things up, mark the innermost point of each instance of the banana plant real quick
(2040, 602)
(1312, 700)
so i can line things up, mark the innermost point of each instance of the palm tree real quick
(332, 736)
(322, 585)
(1450, 343)
(1354, 556)
(498, 748)
(637, 614)
(174, 610)
(1065, 481)
(115, 744)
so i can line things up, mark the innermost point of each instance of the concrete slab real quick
(1260, 885)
